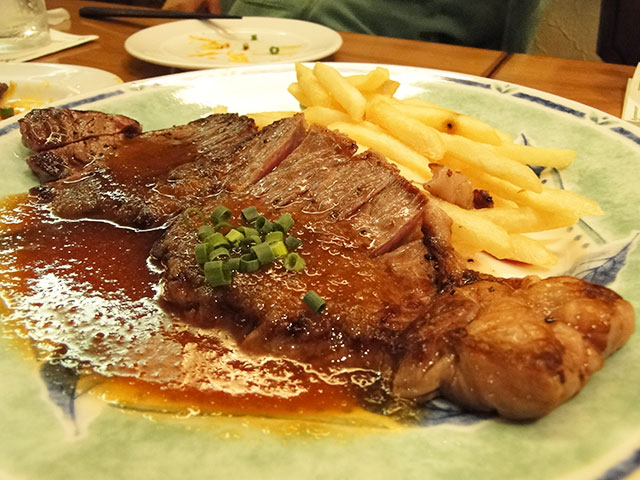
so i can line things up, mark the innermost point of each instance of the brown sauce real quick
(85, 291)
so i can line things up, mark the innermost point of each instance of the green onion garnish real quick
(314, 301)
(233, 264)
(294, 262)
(220, 253)
(197, 211)
(215, 275)
(222, 226)
(292, 243)
(248, 231)
(266, 227)
(254, 37)
(6, 112)
(245, 46)
(205, 230)
(278, 249)
(216, 240)
(220, 214)
(234, 236)
(285, 221)
(250, 214)
(273, 237)
(263, 253)
(274, 50)
(202, 253)
(248, 263)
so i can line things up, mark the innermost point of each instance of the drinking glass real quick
(23, 25)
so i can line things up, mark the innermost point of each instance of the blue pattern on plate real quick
(623, 469)
(549, 104)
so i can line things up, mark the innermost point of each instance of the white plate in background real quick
(201, 44)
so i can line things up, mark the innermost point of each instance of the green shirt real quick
(496, 24)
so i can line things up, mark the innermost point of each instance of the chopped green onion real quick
(266, 227)
(263, 253)
(249, 263)
(205, 230)
(273, 237)
(220, 214)
(234, 236)
(6, 112)
(250, 241)
(285, 221)
(202, 253)
(274, 50)
(248, 231)
(233, 264)
(278, 249)
(216, 240)
(254, 37)
(314, 301)
(191, 210)
(294, 262)
(245, 46)
(292, 242)
(250, 214)
(220, 253)
(215, 275)
(222, 225)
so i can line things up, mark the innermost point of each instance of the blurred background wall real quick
(569, 29)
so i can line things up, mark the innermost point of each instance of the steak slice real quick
(119, 182)
(414, 313)
(62, 162)
(44, 129)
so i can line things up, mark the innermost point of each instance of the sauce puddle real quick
(84, 294)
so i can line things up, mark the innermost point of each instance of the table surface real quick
(600, 85)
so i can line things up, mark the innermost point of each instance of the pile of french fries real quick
(413, 133)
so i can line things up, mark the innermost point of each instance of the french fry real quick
(525, 219)
(348, 96)
(472, 233)
(396, 151)
(529, 251)
(324, 116)
(544, 157)
(389, 88)
(313, 89)
(448, 121)
(370, 82)
(413, 132)
(479, 156)
(263, 119)
(296, 90)
(420, 137)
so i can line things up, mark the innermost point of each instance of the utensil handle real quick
(105, 12)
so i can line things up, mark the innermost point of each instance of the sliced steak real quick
(44, 129)
(415, 313)
(119, 182)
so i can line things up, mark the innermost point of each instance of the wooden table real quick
(599, 85)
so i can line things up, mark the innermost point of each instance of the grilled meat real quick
(400, 301)
(44, 129)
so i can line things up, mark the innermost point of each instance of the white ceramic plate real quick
(200, 44)
(39, 84)
(595, 435)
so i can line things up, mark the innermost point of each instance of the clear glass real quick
(23, 25)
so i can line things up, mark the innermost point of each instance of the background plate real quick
(596, 435)
(200, 44)
(39, 84)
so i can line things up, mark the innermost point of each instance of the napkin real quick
(631, 105)
(59, 40)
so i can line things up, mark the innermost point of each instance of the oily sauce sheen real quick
(84, 292)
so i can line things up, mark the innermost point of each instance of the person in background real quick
(496, 24)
